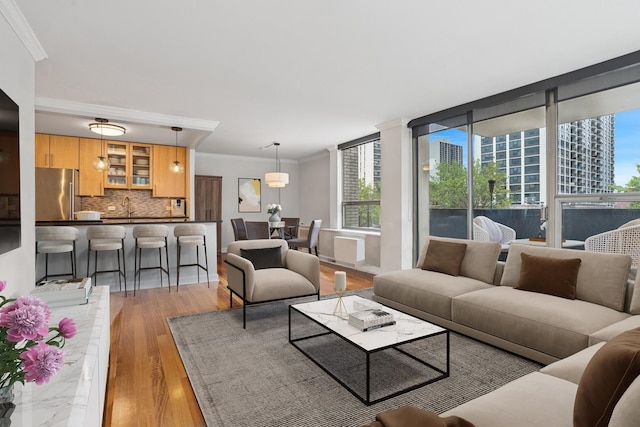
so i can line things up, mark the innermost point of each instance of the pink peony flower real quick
(41, 362)
(3, 284)
(67, 328)
(27, 318)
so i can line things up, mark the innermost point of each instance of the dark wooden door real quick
(208, 202)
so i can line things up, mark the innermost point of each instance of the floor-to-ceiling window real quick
(569, 144)
(360, 195)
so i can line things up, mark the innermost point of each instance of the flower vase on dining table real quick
(6, 405)
(274, 217)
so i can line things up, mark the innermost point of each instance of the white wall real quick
(315, 183)
(230, 168)
(17, 79)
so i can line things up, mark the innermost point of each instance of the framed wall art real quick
(249, 195)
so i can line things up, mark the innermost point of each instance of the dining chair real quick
(311, 242)
(239, 229)
(291, 227)
(257, 230)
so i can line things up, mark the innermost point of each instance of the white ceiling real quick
(240, 74)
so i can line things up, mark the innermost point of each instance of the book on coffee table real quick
(64, 292)
(366, 320)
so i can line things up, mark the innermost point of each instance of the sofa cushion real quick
(602, 278)
(627, 411)
(571, 368)
(263, 257)
(548, 275)
(479, 260)
(605, 379)
(610, 332)
(534, 400)
(555, 326)
(424, 290)
(444, 257)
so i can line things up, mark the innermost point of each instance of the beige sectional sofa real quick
(481, 302)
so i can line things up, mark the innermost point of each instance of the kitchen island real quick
(148, 278)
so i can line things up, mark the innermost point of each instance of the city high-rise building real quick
(441, 150)
(585, 159)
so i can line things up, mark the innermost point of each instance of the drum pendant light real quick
(276, 179)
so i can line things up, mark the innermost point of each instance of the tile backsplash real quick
(142, 204)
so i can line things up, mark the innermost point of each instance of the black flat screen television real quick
(10, 236)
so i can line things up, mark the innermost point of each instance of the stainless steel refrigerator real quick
(56, 193)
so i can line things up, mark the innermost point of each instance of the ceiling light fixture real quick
(103, 127)
(101, 162)
(276, 179)
(176, 166)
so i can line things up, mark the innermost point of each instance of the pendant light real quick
(103, 127)
(101, 162)
(176, 166)
(276, 179)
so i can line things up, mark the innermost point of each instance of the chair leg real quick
(160, 260)
(136, 271)
(166, 252)
(120, 275)
(124, 269)
(46, 266)
(75, 260)
(206, 262)
(95, 267)
(88, 258)
(178, 267)
(198, 262)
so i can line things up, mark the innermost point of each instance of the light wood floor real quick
(147, 384)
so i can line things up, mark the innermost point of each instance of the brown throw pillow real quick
(263, 257)
(605, 379)
(553, 276)
(444, 257)
(410, 416)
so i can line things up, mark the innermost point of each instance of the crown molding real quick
(400, 122)
(124, 115)
(12, 13)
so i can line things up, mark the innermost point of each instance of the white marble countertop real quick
(64, 401)
(407, 327)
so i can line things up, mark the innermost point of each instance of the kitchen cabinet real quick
(130, 165)
(56, 151)
(208, 201)
(91, 181)
(166, 183)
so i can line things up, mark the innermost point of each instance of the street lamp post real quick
(492, 186)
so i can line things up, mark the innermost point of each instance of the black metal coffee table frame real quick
(366, 399)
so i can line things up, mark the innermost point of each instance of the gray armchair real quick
(294, 274)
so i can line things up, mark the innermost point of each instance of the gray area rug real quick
(254, 377)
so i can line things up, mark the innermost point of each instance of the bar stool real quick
(150, 237)
(57, 240)
(104, 238)
(192, 235)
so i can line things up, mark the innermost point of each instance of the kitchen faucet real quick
(127, 200)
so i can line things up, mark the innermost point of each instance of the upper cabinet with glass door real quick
(118, 154)
(130, 165)
(141, 166)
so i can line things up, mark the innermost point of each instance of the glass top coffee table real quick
(374, 365)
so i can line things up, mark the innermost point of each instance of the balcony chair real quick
(267, 270)
(291, 228)
(258, 230)
(623, 240)
(311, 242)
(487, 230)
(239, 229)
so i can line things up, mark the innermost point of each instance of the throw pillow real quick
(547, 275)
(606, 378)
(410, 416)
(444, 257)
(263, 257)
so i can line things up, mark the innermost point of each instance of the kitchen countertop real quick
(122, 220)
